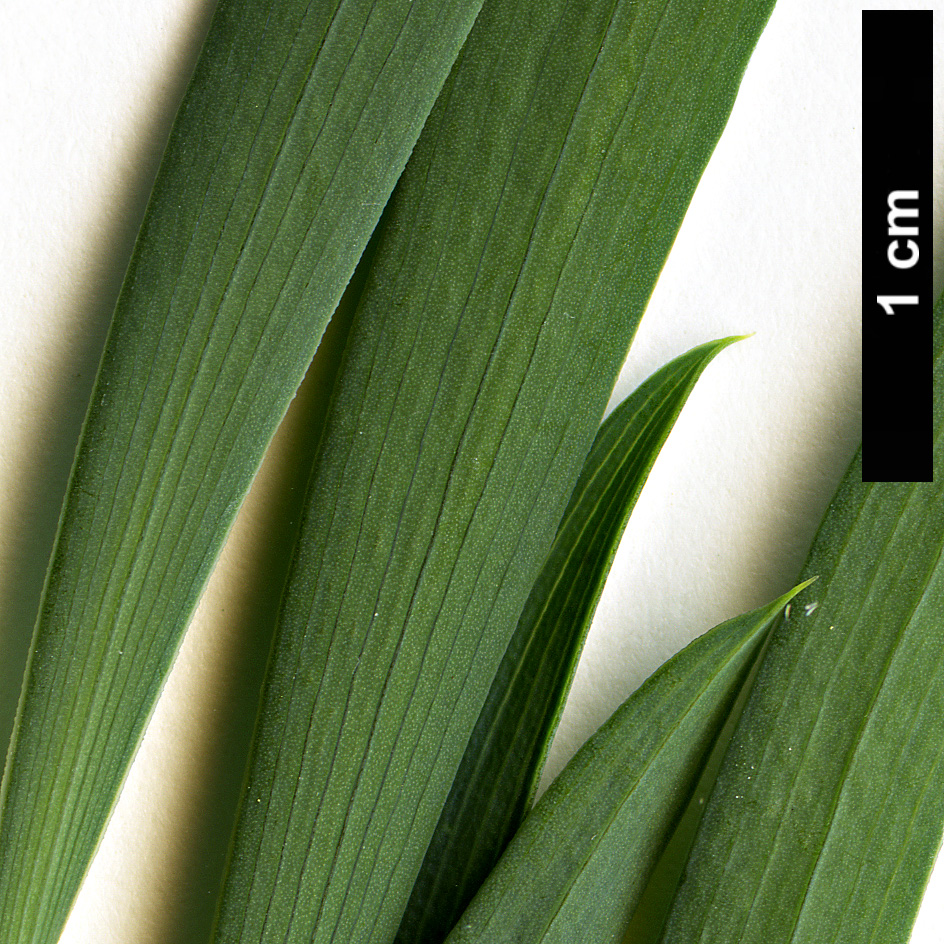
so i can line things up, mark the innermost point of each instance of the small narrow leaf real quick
(829, 806)
(576, 868)
(522, 246)
(298, 121)
(499, 774)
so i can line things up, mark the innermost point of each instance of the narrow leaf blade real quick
(523, 244)
(576, 868)
(833, 836)
(297, 123)
(496, 782)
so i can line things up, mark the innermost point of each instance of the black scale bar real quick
(897, 389)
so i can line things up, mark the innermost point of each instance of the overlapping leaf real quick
(828, 810)
(578, 865)
(298, 121)
(521, 247)
(495, 785)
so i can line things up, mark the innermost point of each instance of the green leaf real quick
(576, 868)
(523, 243)
(298, 120)
(829, 806)
(496, 782)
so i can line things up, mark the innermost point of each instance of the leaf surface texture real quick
(522, 244)
(299, 119)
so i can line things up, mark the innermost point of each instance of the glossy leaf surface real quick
(522, 245)
(495, 785)
(297, 123)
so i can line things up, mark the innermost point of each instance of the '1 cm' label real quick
(903, 252)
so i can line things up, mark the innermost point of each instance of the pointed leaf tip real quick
(578, 865)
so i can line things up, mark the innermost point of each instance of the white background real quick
(770, 245)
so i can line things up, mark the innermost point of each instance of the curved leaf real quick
(495, 785)
(576, 868)
(297, 123)
(829, 807)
